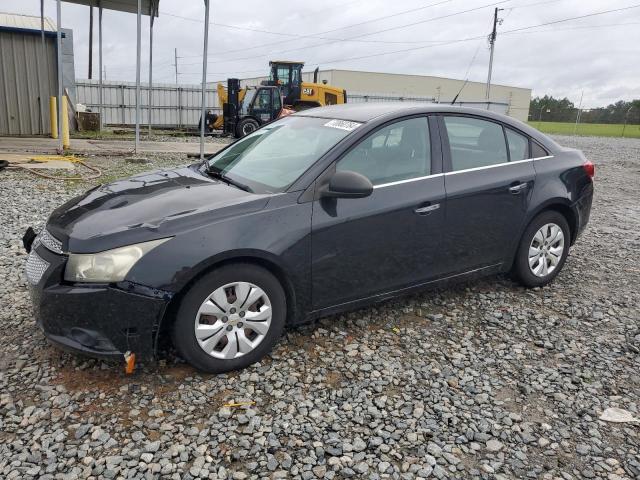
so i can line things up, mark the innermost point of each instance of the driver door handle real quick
(428, 209)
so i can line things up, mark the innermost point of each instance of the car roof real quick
(369, 111)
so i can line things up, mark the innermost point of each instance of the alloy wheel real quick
(546, 249)
(233, 320)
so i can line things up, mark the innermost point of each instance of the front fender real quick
(256, 236)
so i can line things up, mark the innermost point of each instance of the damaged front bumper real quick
(98, 320)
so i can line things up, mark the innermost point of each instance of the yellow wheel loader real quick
(246, 109)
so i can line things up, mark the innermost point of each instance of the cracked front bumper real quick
(98, 320)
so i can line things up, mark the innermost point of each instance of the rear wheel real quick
(246, 126)
(230, 319)
(543, 249)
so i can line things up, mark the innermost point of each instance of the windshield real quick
(273, 157)
(246, 101)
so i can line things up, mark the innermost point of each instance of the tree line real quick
(550, 109)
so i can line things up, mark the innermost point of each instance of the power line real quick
(431, 19)
(576, 18)
(357, 38)
(578, 27)
(466, 74)
(451, 42)
(316, 35)
(290, 35)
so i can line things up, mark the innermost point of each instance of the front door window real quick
(399, 151)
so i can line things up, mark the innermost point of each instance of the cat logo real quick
(307, 91)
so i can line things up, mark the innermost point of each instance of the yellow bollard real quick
(53, 116)
(65, 124)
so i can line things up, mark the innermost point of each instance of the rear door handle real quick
(516, 189)
(427, 209)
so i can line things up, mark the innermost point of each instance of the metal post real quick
(575, 128)
(42, 25)
(151, 17)
(59, 20)
(179, 95)
(90, 42)
(626, 120)
(124, 108)
(100, 109)
(138, 75)
(44, 59)
(204, 77)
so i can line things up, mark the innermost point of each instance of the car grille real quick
(36, 267)
(49, 241)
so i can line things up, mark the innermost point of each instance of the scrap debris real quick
(618, 415)
(34, 163)
(239, 404)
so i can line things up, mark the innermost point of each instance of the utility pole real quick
(176, 64)
(492, 42)
(90, 40)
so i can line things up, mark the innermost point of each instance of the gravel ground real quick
(484, 380)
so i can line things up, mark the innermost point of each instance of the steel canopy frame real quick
(139, 7)
(204, 77)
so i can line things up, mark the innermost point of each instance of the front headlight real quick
(109, 266)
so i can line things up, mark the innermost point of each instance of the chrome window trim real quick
(496, 165)
(415, 179)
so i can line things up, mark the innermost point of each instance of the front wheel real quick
(246, 126)
(543, 250)
(230, 318)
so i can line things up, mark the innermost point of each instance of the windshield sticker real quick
(342, 125)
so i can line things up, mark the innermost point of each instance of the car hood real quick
(146, 207)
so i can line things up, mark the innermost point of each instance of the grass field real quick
(588, 129)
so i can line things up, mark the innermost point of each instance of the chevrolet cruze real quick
(323, 211)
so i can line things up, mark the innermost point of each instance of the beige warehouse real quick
(513, 101)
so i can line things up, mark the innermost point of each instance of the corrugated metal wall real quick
(27, 80)
(179, 106)
(172, 106)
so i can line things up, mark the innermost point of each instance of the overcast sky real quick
(599, 54)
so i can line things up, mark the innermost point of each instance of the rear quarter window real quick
(537, 150)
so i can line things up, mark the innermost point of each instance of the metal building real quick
(513, 101)
(29, 77)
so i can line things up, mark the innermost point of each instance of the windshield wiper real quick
(215, 173)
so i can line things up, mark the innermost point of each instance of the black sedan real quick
(320, 212)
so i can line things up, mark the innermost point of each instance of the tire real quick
(246, 126)
(540, 265)
(202, 311)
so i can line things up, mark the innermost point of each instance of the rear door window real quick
(475, 143)
(518, 145)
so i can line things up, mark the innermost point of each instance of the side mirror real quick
(347, 184)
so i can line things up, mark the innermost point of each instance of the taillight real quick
(589, 168)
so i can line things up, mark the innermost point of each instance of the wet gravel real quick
(483, 380)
